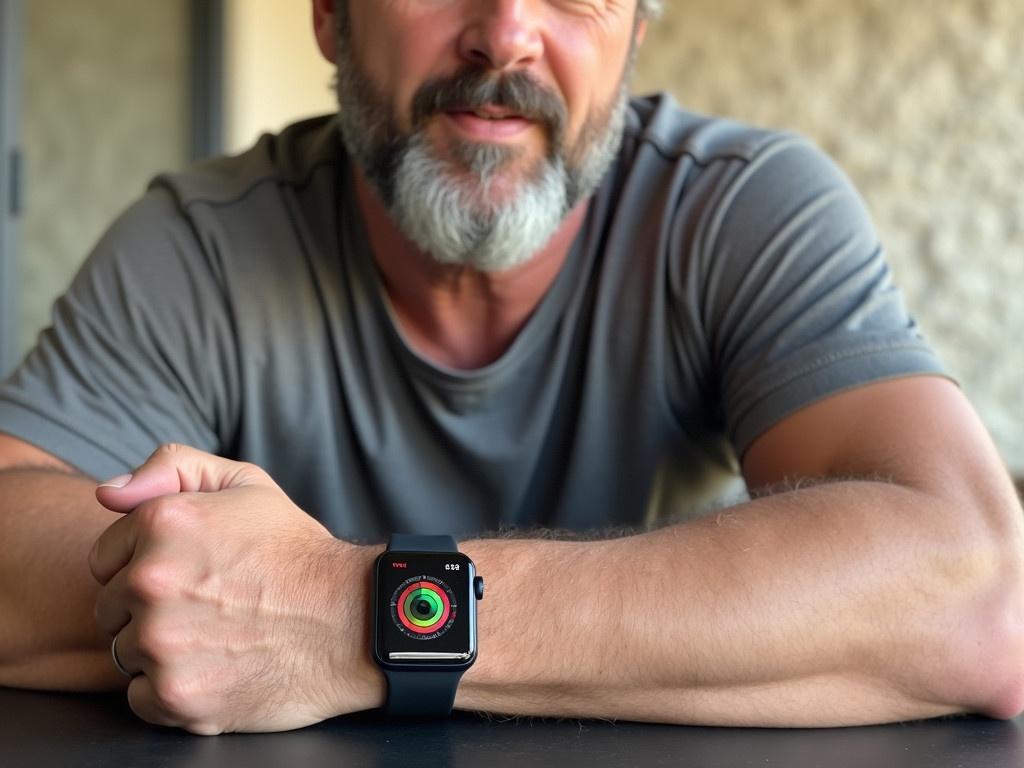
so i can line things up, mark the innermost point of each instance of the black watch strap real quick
(420, 692)
(410, 542)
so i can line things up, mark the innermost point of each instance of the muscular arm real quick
(843, 602)
(50, 519)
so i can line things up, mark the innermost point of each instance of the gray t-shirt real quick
(724, 278)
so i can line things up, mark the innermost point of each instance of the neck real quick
(458, 316)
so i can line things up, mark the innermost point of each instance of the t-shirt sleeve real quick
(799, 302)
(139, 352)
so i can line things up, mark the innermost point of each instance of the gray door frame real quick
(207, 78)
(11, 176)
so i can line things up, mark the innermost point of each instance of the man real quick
(506, 301)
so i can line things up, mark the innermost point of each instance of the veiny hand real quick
(236, 610)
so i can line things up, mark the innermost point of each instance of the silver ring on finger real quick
(117, 661)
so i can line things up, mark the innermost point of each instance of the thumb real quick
(177, 468)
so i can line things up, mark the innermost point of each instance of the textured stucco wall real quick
(923, 105)
(105, 103)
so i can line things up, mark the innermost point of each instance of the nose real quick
(502, 34)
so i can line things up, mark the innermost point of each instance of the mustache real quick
(473, 88)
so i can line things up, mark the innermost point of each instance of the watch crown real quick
(478, 587)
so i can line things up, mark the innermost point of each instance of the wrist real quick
(358, 683)
(426, 593)
(480, 686)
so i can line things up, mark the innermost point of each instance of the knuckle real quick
(247, 471)
(149, 581)
(141, 701)
(173, 694)
(170, 449)
(154, 644)
(163, 514)
(249, 468)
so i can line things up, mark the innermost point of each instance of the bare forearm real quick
(48, 635)
(837, 604)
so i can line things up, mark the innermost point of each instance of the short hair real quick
(649, 9)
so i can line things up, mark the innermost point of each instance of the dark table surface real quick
(47, 729)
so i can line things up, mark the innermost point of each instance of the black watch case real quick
(424, 610)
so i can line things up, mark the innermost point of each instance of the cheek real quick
(587, 66)
(401, 55)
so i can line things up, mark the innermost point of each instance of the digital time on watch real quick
(424, 622)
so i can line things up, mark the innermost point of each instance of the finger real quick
(127, 645)
(162, 701)
(113, 549)
(144, 702)
(111, 610)
(177, 468)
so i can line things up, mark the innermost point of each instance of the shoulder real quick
(286, 159)
(657, 127)
(666, 144)
(225, 212)
(165, 216)
(720, 173)
(193, 226)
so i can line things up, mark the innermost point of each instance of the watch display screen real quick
(424, 608)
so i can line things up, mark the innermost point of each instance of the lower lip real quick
(482, 129)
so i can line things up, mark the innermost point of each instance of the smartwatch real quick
(424, 620)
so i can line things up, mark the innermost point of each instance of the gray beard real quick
(453, 220)
(452, 213)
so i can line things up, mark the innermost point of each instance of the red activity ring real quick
(437, 591)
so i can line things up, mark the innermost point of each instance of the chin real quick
(488, 195)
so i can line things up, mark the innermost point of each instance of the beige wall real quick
(923, 105)
(274, 72)
(105, 100)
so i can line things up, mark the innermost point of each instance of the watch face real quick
(426, 610)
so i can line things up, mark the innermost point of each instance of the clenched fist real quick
(233, 608)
